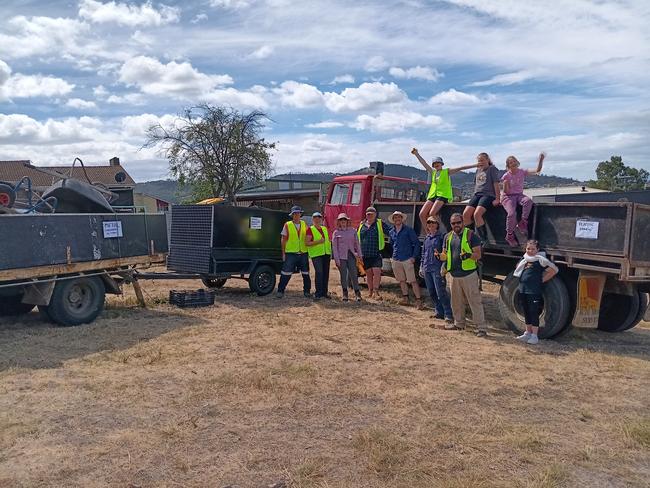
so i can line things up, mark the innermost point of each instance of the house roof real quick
(13, 171)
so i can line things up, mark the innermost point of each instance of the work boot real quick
(512, 240)
(279, 294)
(357, 295)
(404, 301)
(418, 304)
(481, 333)
(345, 295)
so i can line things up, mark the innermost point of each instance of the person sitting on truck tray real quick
(294, 252)
(319, 248)
(372, 234)
(513, 195)
(440, 191)
(406, 248)
(430, 270)
(533, 270)
(346, 250)
(460, 255)
(486, 195)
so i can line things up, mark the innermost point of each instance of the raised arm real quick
(462, 168)
(540, 163)
(423, 162)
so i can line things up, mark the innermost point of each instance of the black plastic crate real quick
(188, 298)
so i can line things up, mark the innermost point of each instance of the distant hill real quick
(168, 189)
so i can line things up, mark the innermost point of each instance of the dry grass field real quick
(257, 392)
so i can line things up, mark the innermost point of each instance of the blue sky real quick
(344, 83)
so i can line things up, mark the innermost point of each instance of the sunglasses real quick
(456, 223)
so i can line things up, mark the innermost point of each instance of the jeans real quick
(437, 288)
(510, 203)
(322, 269)
(293, 261)
(348, 270)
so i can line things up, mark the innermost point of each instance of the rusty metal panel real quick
(640, 236)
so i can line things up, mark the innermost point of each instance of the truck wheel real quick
(214, 282)
(11, 305)
(619, 312)
(262, 280)
(7, 195)
(77, 301)
(555, 315)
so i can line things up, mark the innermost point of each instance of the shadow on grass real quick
(30, 342)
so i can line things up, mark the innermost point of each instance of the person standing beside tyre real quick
(294, 252)
(533, 270)
(460, 256)
(319, 248)
(372, 234)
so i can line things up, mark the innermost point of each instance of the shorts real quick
(442, 199)
(375, 262)
(480, 200)
(533, 306)
(403, 270)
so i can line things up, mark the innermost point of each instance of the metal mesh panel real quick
(191, 238)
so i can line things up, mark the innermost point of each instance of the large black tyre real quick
(214, 282)
(555, 315)
(11, 306)
(262, 280)
(77, 301)
(7, 195)
(619, 312)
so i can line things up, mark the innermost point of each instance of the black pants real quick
(322, 269)
(532, 305)
(292, 262)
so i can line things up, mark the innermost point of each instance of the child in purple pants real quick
(513, 195)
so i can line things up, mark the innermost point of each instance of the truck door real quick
(346, 196)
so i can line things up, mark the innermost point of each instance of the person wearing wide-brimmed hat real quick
(372, 234)
(346, 250)
(319, 248)
(406, 249)
(294, 252)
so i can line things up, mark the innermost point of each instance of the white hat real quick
(392, 216)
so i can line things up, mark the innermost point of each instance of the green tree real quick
(215, 151)
(613, 175)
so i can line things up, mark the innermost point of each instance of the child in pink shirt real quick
(513, 195)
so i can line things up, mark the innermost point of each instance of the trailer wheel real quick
(77, 301)
(7, 195)
(214, 282)
(621, 312)
(262, 280)
(11, 306)
(555, 315)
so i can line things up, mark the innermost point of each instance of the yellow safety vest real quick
(294, 242)
(466, 264)
(322, 248)
(380, 234)
(440, 185)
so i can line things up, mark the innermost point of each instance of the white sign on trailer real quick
(586, 229)
(256, 223)
(112, 229)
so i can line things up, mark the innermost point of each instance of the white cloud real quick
(29, 86)
(376, 63)
(172, 79)
(454, 97)
(417, 73)
(261, 53)
(100, 91)
(397, 122)
(252, 98)
(342, 79)
(299, 95)
(19, 128)
(199, 18)
(137, 125)
(231, 4)
(128, 98)
(145, 15)
(325, 124)
(5, 72)
(366, 96)
(81, 104)
(510, 78)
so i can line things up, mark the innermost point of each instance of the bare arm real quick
(540, 163)
(548, 274)
(423, 162)
(497, 192)
(462, 168)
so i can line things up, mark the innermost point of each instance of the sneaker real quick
(306, 294)
(345, 296)
(452, 326)
(523, 227)
(481, 333)
(279, 294)
(449, 320)
(524, 337)
(317, 297)
(532, 340)
(404, 301)
(512, 240)
(357, 296)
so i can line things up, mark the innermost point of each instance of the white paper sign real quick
(256, 223)
(112, 229)
(586, 229)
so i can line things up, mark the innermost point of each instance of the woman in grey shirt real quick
(486, 194)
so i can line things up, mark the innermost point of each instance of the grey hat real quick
(316, 214)
(295, 209)
(437, 159)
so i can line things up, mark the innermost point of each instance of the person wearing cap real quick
(319, 248)
(460, 258)
(440, 191)
(346, 250)
(406, 248)
(430, 270)
(294, 252)
(372, 233)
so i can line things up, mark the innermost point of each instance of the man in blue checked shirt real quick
(406, 249)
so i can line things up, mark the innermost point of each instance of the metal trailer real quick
(219, 242)
(66, 263)
(602, 252)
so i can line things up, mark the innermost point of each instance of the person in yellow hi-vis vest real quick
(440, 191)
(460, 253)
(294, 252)
(319, 248)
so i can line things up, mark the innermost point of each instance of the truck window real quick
(356, 194)
(400, 191)
(340, 194)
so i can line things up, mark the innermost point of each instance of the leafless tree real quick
(215, 150)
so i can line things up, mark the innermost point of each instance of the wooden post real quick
(138, 293)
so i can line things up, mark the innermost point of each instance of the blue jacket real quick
(430, 244)
(406, 244)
